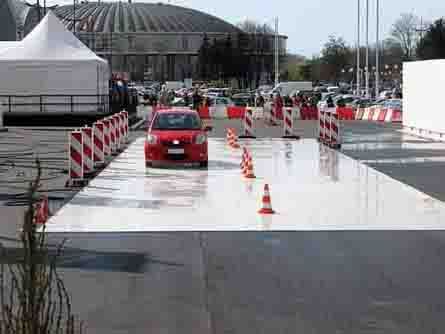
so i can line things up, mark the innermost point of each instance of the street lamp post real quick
(358, 47)
(367, 50)
(377, 51)
(277, 54)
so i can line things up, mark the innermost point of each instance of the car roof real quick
(178, 110)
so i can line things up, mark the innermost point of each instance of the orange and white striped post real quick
(88, 153)
(98, 143)
(248, 124)
(76, 172)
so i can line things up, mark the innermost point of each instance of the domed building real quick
(17, 19)
(155, 41)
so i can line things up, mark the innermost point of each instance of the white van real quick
(287, 88)
(174, 85)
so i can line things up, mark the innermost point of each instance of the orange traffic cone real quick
(249, 169)
(244, 160)
(228, 134)
(41, 212)
(267, 204)
(233, 141)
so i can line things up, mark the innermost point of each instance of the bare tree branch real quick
(33, 297)
(403, 32)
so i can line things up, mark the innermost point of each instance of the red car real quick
(176, 136)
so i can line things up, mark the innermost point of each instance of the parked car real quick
(217, 101)
(176, 136)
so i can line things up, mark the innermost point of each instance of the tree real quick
(335, 56)
(291, 67)
(432, 45)
(404, 32)
(306, 72)
(33, 297)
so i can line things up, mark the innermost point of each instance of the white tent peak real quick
(50, 40)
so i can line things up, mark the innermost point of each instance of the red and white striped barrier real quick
(329, 128)
(125, 125)
(76, 157)
(98, 143)
(122, 128)
(113, 145)
(321, 125)
(359, 114)
(117, 132)
(248, 124)
(288, 124)
(377, 114)
(88, 157)
(327, 125)
(335, 131)
(107, 137)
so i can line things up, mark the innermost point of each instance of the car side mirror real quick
(207, 128)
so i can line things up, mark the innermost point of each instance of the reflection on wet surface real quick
(312, 188)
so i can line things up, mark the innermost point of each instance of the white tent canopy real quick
(4, 45)
(52, 61)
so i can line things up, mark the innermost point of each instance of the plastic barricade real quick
(382, 115)
(396, 116)
(204, 112)
(234, 112)
(279, 113)
(314, 113)
(305, 113)
(345, 113)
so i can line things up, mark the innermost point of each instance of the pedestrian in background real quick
(196, 100)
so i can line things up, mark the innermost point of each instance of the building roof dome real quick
(123, 17)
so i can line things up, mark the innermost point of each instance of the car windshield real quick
(176, 121)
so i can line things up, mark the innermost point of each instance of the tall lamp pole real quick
(358, 47)
(277, 74)
(367, 50)
(377, 52)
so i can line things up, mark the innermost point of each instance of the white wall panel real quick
(424, 95)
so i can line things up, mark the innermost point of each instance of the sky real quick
(309, 23)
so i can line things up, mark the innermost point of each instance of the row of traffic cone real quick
(247, 171)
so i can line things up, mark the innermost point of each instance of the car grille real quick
(176, 157)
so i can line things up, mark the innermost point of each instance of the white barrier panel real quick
(218, 112)
(423, 84)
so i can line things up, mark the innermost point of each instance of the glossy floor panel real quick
(313, 189)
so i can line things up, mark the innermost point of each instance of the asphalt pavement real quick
(257, 282)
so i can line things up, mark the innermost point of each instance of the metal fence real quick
(99, 104)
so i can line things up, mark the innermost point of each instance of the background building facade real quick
(150, 41)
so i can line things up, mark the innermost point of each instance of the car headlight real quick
(200, 139)
(152, 139)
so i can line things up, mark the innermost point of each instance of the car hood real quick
(182, 135)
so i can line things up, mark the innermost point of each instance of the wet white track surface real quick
(313, 189)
